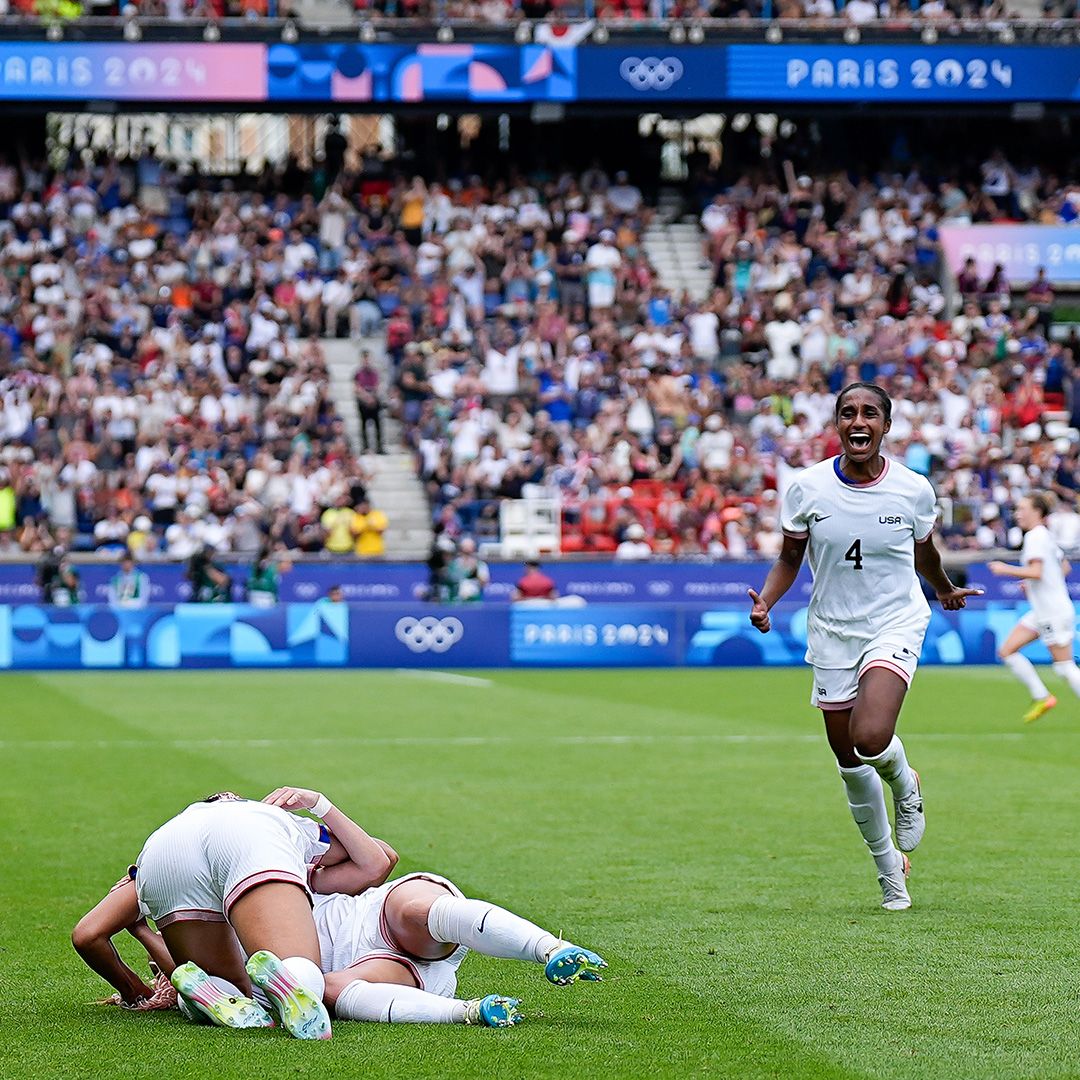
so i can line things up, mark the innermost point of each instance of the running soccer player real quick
(867, 522)
(229, 878)
(1052, 617)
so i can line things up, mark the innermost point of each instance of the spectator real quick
(534, 584)
(129, 587)
(263, 581)
(469, 574)
(368, 527)
(635, 546)
(210, 584)
(368, 405)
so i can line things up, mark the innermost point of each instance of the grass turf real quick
(689, 825)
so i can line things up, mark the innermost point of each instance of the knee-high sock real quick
(1023, 669)
(194, 1015)
(892, 766)
(388, 1003)
(306, 973)
(866, 798)
(1068, 670)
(489, 929)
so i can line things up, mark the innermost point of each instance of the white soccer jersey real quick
(862, 556)
(1049, 596)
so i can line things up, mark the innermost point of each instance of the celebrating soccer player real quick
(1043, 569)
(867, 522)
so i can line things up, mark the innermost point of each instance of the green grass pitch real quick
(689, 825)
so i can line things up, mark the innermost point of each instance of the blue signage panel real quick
(339, 635)
(907, 73)
(599, 635)
(508, 73)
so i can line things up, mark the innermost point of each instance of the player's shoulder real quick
(908, 480)
(816, 476)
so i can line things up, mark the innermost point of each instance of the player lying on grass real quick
(391, 953)
(867, 523)
(1043, 569)
(230, 878)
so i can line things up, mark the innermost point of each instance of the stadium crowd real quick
(162, 387)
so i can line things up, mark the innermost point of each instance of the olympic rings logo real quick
(429, 634)
(651, 73)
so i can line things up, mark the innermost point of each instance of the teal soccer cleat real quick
(494, 1011)
(570, 963)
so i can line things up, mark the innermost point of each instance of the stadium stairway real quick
(395, 488)
(675, 250)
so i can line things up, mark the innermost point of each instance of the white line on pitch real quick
(444, 677)
(455, 740)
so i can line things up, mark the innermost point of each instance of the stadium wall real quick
(599, 581)
(325, 634)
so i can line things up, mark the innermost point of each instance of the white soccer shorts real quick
(199, 863)
(836, 688)
(1059, 630)
(363, 934)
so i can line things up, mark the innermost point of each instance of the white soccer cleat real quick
(894, 894)
(910, 819)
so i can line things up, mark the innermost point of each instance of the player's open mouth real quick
(859, 440)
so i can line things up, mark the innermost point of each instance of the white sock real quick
(1068, 670)
(891, 765)
(306, 973)
(487, 929)
(388, 1003)
(866, 798)
(1025, 671)
(194, 1015)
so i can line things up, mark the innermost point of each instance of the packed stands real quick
(162, 386)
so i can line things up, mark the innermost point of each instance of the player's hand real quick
(759, 613)
(998, 569)
(293, 798)
(957, 598)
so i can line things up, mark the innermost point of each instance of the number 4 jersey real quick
(862, 556)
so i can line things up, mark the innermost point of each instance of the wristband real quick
(322, 807)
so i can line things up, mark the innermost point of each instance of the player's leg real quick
(273, 920)
(424, 917)
(1024, 633)
(1064, 663)
(210, 980)
(385, 990)
(882, 686)
(866, 800)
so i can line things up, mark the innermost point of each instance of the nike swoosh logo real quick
(480, 928)
(821, 517)
(897, 656)
(861, 820)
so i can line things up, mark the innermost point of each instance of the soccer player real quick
(229, 874)
(1052, 617)
(392, 953)
(867, 522)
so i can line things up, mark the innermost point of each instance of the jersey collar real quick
(851, 483)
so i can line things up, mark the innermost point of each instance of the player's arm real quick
(92, 939)
(780, 578)
(355, 861)
(1031, 572)
(928, 565)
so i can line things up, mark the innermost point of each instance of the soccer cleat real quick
(910, 819)
(493, 1011)
(894, 894)
(301, 1013)
(1040, 708)
(219, 1007)
(569, 963)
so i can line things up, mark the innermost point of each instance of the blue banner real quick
(649, 72)
(908, 73)
(396, 583)
(325, 634)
